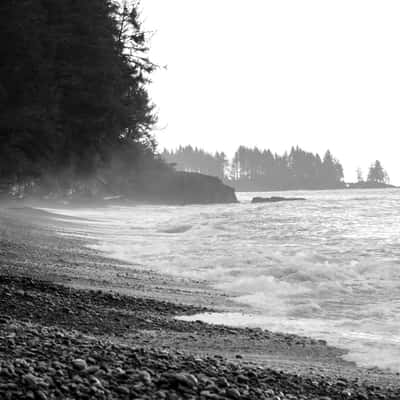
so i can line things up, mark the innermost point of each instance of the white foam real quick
(328, 267)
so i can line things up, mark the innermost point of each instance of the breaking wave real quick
(328, 267)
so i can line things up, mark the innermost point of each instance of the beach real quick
(75, 323)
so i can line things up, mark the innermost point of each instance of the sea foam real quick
(328, 267)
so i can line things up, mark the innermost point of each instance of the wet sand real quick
(58, 294)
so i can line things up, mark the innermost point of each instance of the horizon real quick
(320, 75)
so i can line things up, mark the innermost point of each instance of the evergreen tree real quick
(72, 88)
(360, 177)
(252, 169)
(377, 174)
(197, 160)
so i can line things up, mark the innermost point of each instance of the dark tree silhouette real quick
(360, 176)
(255, 169)
(377, 174)
(191, 159)
(73, 78)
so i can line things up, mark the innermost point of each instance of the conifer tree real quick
(73, 78)
(377, 174)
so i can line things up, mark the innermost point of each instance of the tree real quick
(252, 168)
(332, 171)
(377, 174)
(73, 78)
(360, 177)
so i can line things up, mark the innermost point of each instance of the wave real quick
(329, 268)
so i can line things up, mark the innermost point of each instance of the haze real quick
(273, 74)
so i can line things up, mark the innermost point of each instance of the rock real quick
(222, 382)
(233, 393)
(269, 392)
(123, 390)
(79, 364)
(29, 395)
(178, 187)
(188, 380)
(95, 381)
(145, 376)
(41, 395)
(92, 369)
(275, 199)
(30, 380)
(209, 395)
(119, 371)
(8, 386)
(109, 369)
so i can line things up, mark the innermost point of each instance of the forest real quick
(74, 104)
(255, 169)
(252, 169)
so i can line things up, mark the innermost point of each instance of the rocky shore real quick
(58, 341)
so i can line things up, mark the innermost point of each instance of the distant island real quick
(256, 170)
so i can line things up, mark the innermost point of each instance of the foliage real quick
(73, 78)
(255, 169)
(377, 174)
(191, 159)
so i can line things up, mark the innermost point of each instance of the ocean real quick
(327, 267)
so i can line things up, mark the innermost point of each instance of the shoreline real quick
(137, 308)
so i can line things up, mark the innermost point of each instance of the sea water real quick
(327, 267)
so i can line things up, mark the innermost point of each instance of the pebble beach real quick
(77, 325)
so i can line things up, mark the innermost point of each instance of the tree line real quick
(256, 169)
(191, 159)
(73, 90)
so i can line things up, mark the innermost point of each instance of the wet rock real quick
(185, 379)
(242, 379)
(275, 199)
(79, 364)
(30, 380)
(29, 395)
(44, 361)
(145, 377)
(41, 395)
(92, 369)
(233, 393)
(222, 382)
(206, 394)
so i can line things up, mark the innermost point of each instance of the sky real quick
(279, 73)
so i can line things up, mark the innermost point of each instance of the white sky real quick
(275, 73)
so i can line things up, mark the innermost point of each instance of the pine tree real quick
(360, 176)
(377, 174)
(72, 88)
